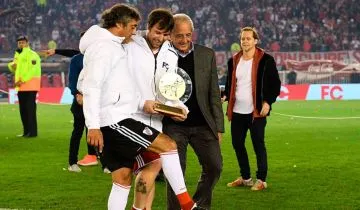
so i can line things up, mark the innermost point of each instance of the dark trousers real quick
(207, 149)
(27, 106)
(240, 124)
(76, 135)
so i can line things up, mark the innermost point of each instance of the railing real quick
(302, 77)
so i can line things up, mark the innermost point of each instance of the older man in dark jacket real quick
(205, 122)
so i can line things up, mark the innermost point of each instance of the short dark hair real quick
(22, 38)
(163, 17)
(119, 13)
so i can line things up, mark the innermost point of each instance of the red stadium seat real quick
(45, 81)
(3, 82)
(57, 82)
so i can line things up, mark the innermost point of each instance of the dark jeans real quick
(27, 106)
(78, 129)
(240, 124)
(207, 149)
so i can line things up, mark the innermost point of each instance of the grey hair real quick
(181, 17)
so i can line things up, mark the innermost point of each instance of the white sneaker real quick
(241, 182)
(107, 171)
(259, 185)
(74, 168)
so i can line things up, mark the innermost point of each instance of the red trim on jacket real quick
(259, 53)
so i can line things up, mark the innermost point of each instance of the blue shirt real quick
(76, 65)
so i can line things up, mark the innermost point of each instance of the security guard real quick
(27, 69)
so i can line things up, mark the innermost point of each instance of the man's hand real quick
(220, 137)
(18, 83)
(95, 138)
(79, 98)
(149, 107)
(265, 109)
(223, 99)
(13, 66)
(180, 118)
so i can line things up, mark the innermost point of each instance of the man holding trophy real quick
(205, 121)
(154, 75)
(110, 98)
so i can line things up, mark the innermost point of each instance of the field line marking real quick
(319, 118)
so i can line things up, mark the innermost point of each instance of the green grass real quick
(326, 154)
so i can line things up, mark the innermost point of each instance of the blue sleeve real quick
(76, 65)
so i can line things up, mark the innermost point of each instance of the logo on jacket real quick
(165, 65)
(147, 131)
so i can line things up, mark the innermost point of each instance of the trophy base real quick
(168, 110)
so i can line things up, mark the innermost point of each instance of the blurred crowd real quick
(286, 25)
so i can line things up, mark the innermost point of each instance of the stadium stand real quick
(301, 25)
(296, 26)
(45, 81)
(3, 82)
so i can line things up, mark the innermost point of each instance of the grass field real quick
(313, 163)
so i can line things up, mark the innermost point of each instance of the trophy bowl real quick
(173, 88)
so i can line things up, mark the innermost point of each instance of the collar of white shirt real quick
(183, 54)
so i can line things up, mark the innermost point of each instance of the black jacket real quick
(265, 80)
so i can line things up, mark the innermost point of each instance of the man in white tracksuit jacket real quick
(150, 56)
(110, 97)
(146, 72)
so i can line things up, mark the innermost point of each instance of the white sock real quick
(172, 170)
(118, 197)
(136, 208)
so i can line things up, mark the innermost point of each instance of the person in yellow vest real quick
(27, 70)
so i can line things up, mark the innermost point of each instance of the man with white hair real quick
(205, 121)
(110, 97)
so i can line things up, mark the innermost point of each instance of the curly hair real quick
(119, 13)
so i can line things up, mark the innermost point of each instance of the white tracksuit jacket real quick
(109, 93)
(144, 67)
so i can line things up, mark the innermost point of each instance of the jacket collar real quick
(259, 53)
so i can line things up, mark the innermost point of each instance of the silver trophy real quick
(173, 89)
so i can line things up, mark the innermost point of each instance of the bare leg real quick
(145, 185)
(162, 143)
(150, 198)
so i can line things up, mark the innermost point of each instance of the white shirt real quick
(243, 92)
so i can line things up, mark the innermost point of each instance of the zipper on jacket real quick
(154, 81)
(118, 99)
(150, 120)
